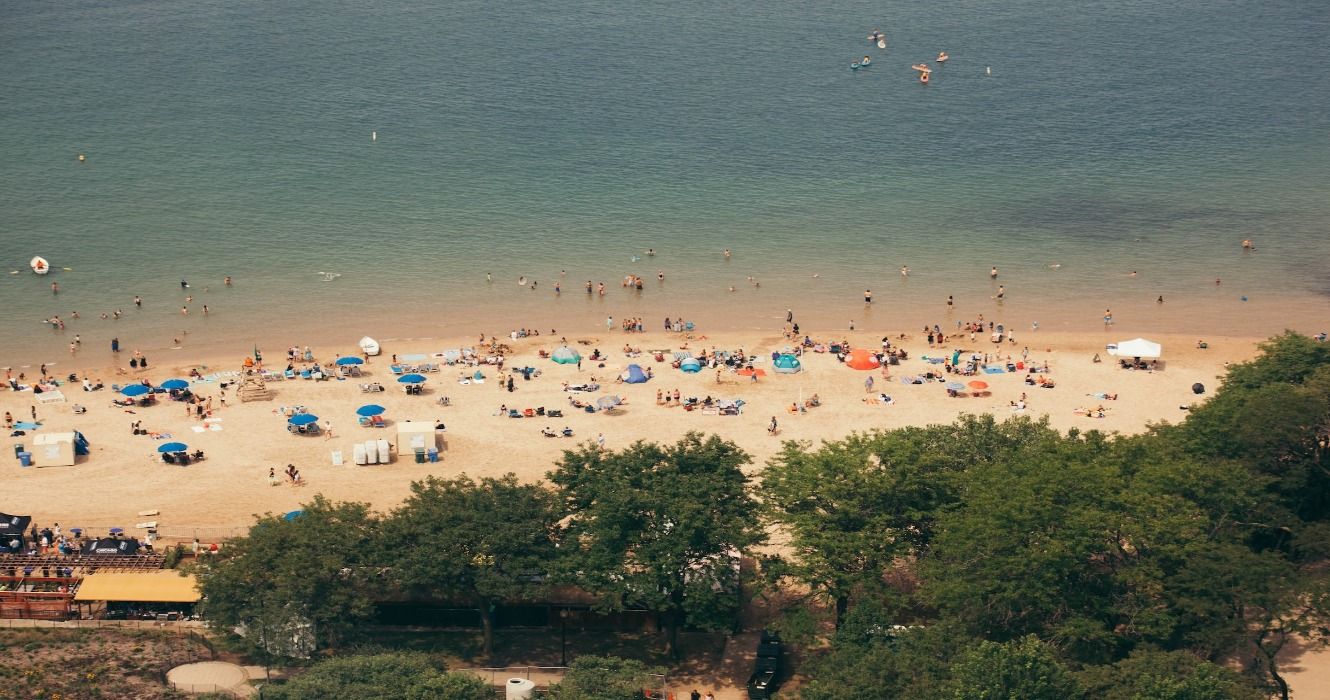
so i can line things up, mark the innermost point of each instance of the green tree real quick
(854, 506)
(606, 678)
(393, 676)
(661, 527)
(293, 583)
(483, 542)
(1151, 674)
(869, 658)
(1022, 669)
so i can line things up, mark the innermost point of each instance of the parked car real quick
(767, 667)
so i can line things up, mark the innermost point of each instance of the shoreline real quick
(221, 494)
(751, 311)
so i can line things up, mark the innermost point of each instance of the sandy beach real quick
(123, 475)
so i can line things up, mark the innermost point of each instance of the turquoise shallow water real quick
(234, 138)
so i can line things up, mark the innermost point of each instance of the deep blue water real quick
(235, 138)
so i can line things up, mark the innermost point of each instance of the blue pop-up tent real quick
(690, 364)
(634, 375)
(787, 364)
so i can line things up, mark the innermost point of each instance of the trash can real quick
(433, 453)
(18, 450)
(420, 457)
(25, 459)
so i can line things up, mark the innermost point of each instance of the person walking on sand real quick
(771, 429)
(600, 441)
(868, 384)
(327, 430)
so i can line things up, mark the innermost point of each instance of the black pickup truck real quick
(767, 668)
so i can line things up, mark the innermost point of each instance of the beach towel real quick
(935, 360)
(994, 370)
(213, 427)
(197, 428)
(27, 425)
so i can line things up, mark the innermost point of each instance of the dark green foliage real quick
(1150, 674)
(484, 543)
(1022, 669)
(661, 527)
(606, 678)
(397, 676)
(288, 575)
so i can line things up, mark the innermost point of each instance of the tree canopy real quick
(391, 676)
(483, 542)
(295, 585)
(661, 527)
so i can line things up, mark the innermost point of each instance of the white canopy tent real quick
(1139, 347)
(415, 436)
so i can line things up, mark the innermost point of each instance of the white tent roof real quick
(1138, 347)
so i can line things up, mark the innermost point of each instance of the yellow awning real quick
(151, 587)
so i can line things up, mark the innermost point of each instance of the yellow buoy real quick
(81, 158)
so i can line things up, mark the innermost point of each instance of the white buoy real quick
(373, 136)
(988, 70)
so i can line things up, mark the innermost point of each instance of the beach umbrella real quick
(116, 530)
(172, 447)
(175, 384)
(370, 410)
(344, 361)
(955, 386)
(565, 356)
(303, 419)
(862, 359)
(411, 379)
(135, 390)
(293, 515)
(690, 364)
(608, 402)
(978, 385)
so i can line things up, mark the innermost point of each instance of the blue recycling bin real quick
(433, 454)
(25, 459)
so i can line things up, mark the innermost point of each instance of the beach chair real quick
(396, 369)
(364, 421)
(337, 458)
(371, 448)
(377, 422)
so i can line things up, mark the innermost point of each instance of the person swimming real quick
(867, 60)
(942, 57)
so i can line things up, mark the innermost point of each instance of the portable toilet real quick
(53, 450)
(371, 451)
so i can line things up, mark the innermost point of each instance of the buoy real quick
(988, 70)
(81, 158)
(373, 136)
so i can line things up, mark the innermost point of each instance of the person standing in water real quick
(868, 296)
(992, 274)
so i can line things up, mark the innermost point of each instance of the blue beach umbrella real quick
(175, 384)
(370, 410)
(342, 362)
(172, 447)
(293, 515)
(411, 379)
(955, 386)
(303, 419)
(135, 390)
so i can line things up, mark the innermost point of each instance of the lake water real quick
(234, 137)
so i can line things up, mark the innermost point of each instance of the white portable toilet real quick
(371, 452)
(385, 452)
(519, 689)
(358, 453)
